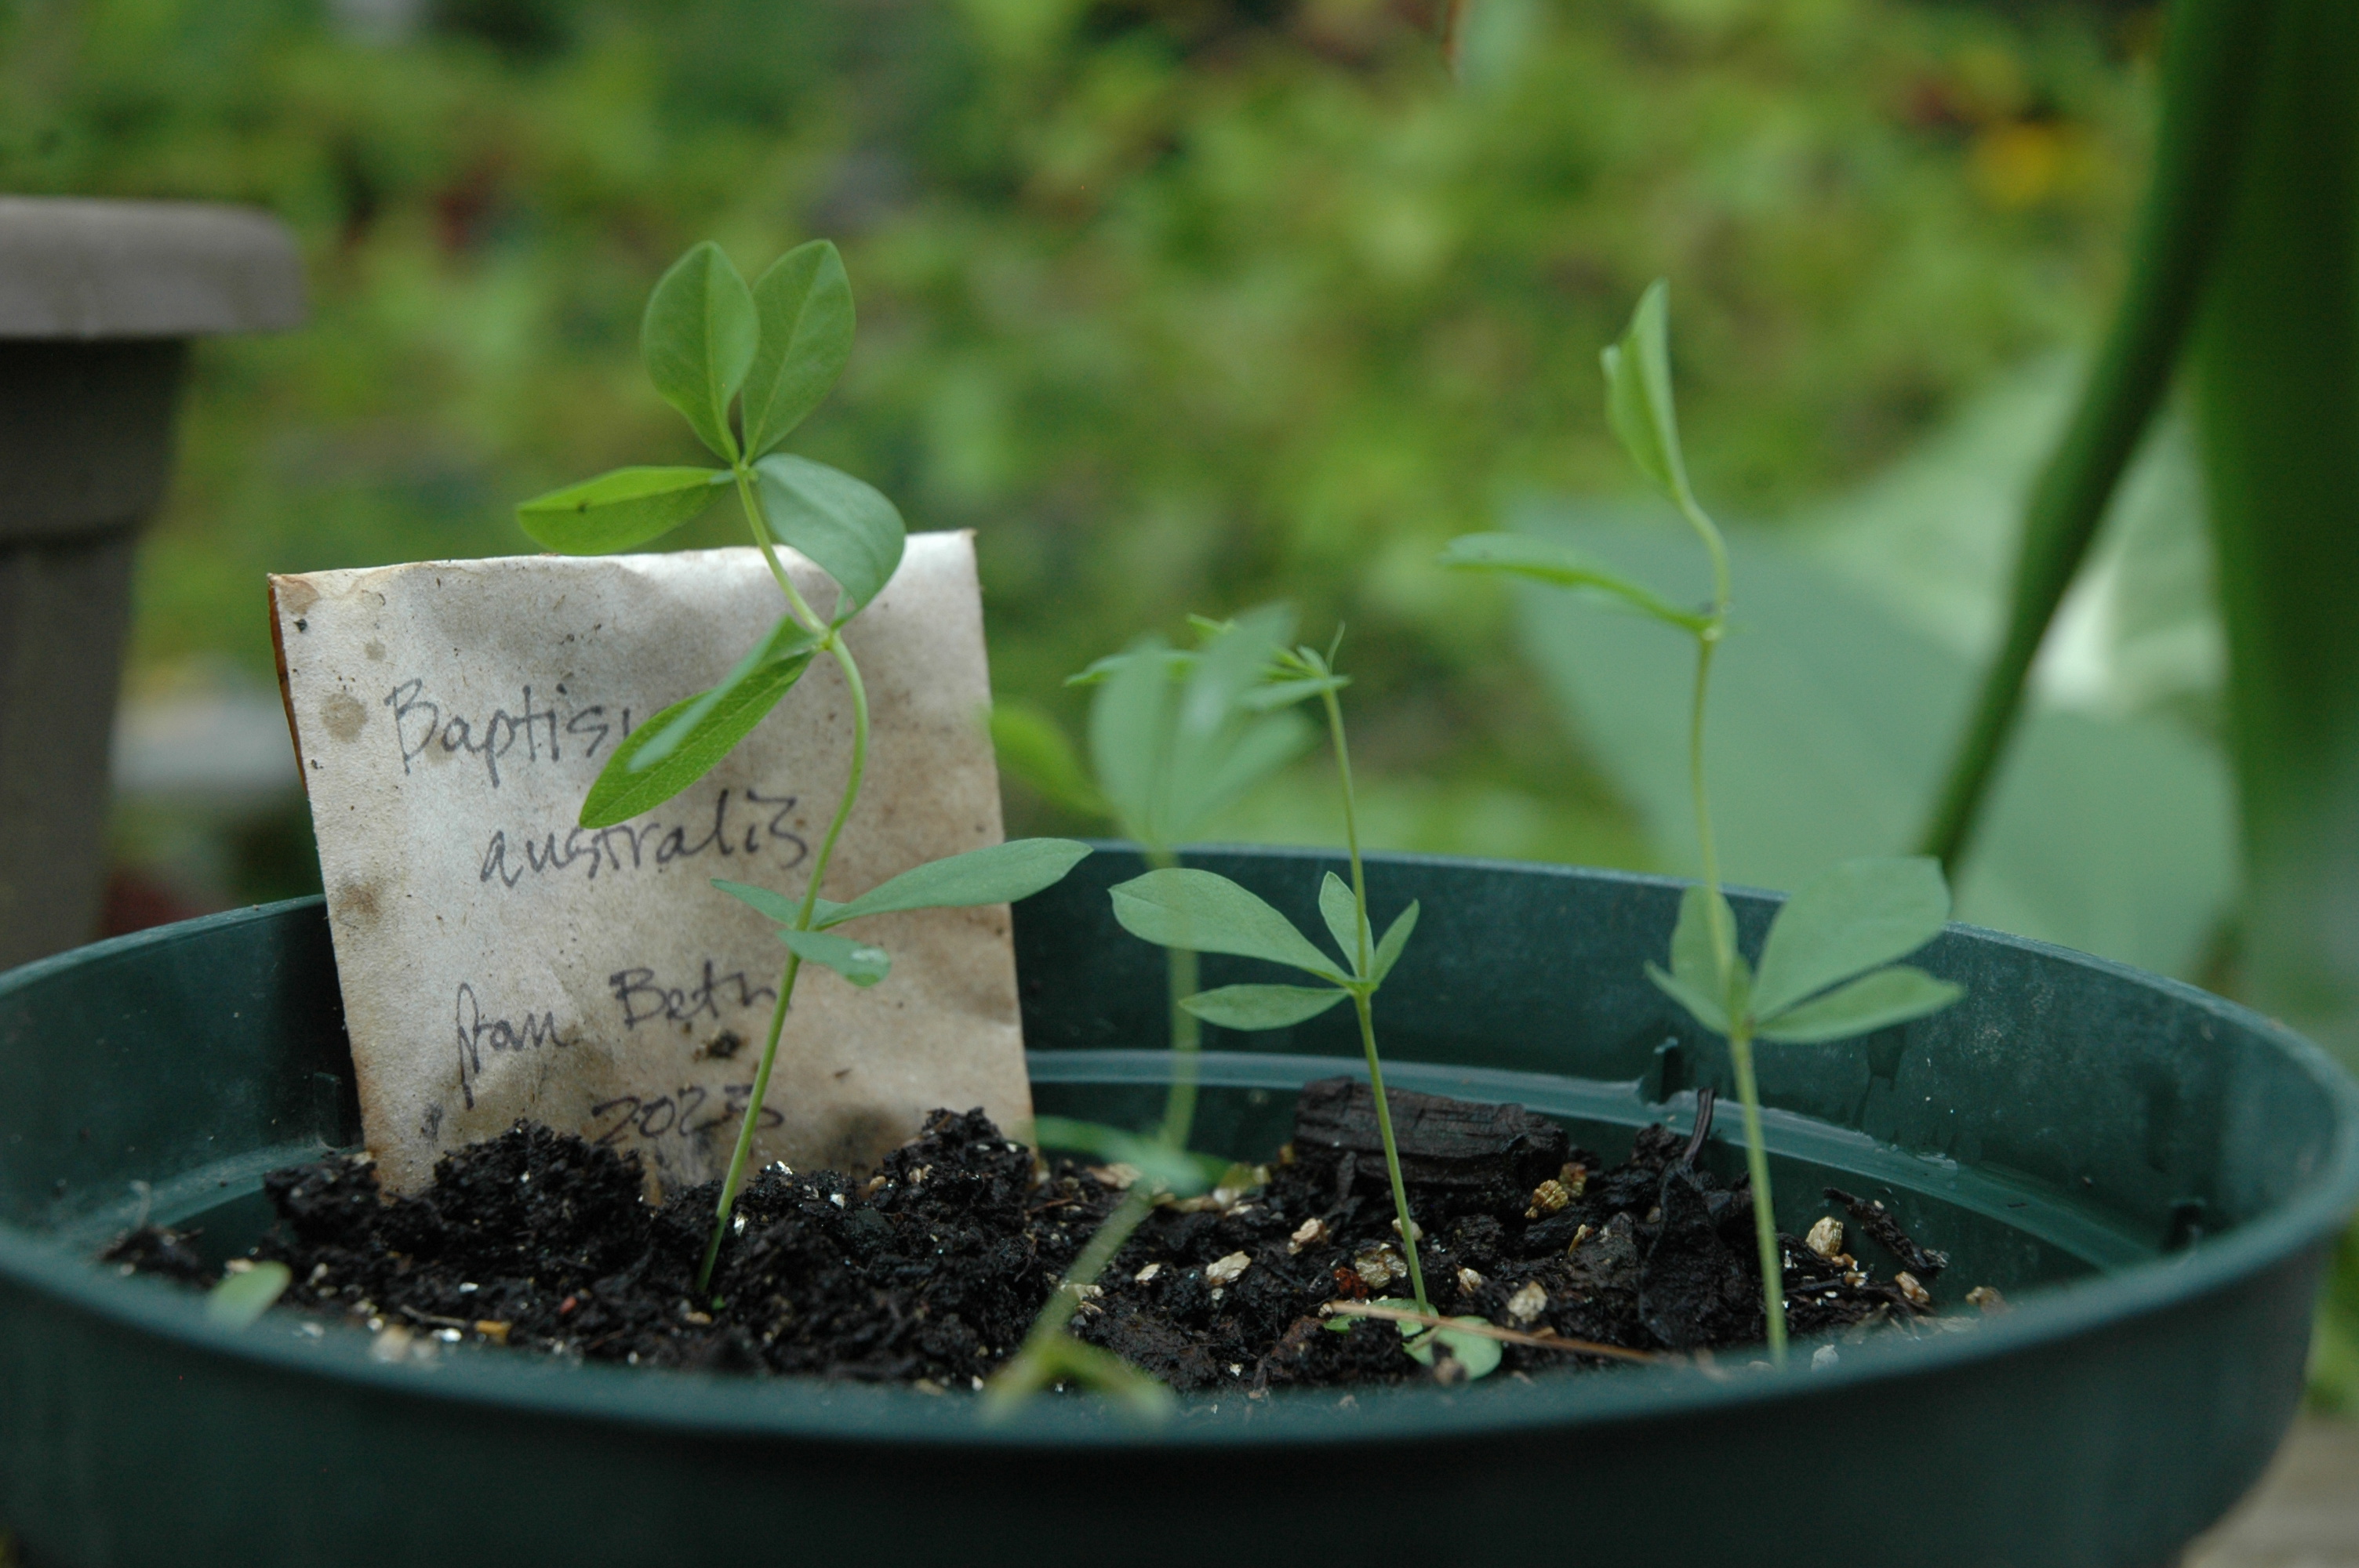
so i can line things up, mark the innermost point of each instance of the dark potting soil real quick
(933, 1269)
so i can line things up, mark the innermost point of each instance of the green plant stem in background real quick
(1724, 943)
(832, 642)
(2276, 378)
(2215, 52)
(1187, 1048)
(1757, 1169)
(1364, 1001)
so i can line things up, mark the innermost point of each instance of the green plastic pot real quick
(2151, 1174)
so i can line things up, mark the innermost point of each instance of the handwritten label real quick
(498, 960)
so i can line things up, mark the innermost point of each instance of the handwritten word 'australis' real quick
(423, 728)
(629, 847)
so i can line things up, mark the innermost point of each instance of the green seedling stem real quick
(1708, 634)
(831, 643)
(1363, 990)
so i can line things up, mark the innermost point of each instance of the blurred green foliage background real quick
(1180, 304)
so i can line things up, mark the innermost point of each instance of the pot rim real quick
(722, 1407)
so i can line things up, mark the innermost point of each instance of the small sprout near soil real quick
(246, 1292)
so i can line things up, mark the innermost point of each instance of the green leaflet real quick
(1849, 918)
(709, 725)
(1060, 1358)
(241, 1299)
(1342, 913)
(1206, 913)
(1692, 961)
(858, 962)
(1129, 734)
(1639, 394)
(844, 525)
(1396, 939)
(1699, 1001)
(1478, 1353)
(698, 339)
(997, 873)
(777, 906)
(1262, 1007)
(1031, 747)
(1173, 735)
(787, 640)
(618, 510)
(1541, 560)
(1873, 1002)
(804, 306)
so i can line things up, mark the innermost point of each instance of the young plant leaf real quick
(775, 906)
(1888, 996)
(698, 339)
(618, 510)
(1130, 720)
(1395, 938)
(1342, 913)
(1848, 919)
(844, 523)
(1032, 746)
(787, 640)
(1060, 1359)
(707, 725)
(241, 1299)
(1478, 1353)
(1250, 753)
(1186, 1175)
(858, 962)
(1262, 1007)
(1698, 1000)
(1540, 560)
(804, 305)
(1639, 394)
(1291, 690)
(1215, 752)
(1206, 913)
(997, 873)
(1692, 954)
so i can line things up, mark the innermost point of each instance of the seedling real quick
(1826, 968)
(772, 351)
(1175, 735)
(1207, 912)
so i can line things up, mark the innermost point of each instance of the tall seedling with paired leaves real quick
(1827, 968)
(1207, 912)
(1175, 735)
(772, 351)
